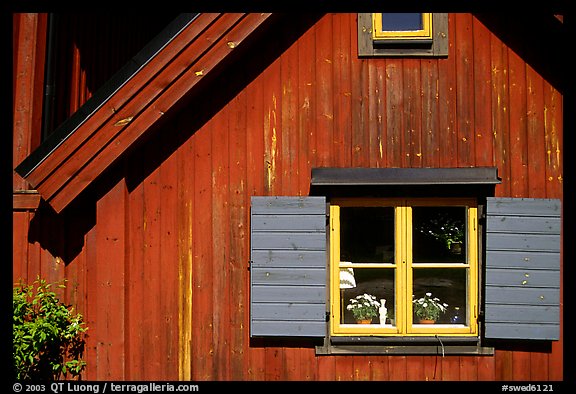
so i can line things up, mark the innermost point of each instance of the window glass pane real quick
(376, 282)
(439, 234)
(367, 234)
(402, 21)
(449, 286)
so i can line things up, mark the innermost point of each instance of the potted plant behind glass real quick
(364, 307)
(446, 230)
(428, 308)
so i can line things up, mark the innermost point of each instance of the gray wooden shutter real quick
(288, 267)
(522, 269)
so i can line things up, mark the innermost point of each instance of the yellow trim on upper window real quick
(423, 34)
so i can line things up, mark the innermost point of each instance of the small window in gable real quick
(403, 34)
(402, 27)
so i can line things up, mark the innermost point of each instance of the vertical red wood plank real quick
(430, 113)
(379, 369)
(432, 368)
(185, 254)
(415, 368)
(344, 368)
(464, 89)
(451, 368)
(309, 364)
(500, 118)
(306, 111)
(469, 368)
(521, 365)
(411, 114)
(137, 309)
(326, 368)
(255, 186)
(362, 367)
(168, 267)
(360, 143)
(486, 368)
(376, 100)
(238, 234)
(152, 270)
(518, 131)
(537, 360)
(20, 225)
(110, 281)
(324, 91)
(342, 37)
(91, 285)
(553, 139)
(202, 309)
(395, 154)
(398, 368)
(503, 363)
(29, 37)
(535, 133)
(220, 302)
(482, 102)
(447, 102)
(289, 120)
(272, 128)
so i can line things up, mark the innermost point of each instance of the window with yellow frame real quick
(402, 26)
(395, 262)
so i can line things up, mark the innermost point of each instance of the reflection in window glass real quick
(367, 234)
(376, 282)
(439, 234)
(402, 21)
(449, 285)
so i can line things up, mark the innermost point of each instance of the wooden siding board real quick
(220, 302)
(185, 212)
(484, 149)
(430, 110)
(464, 89)
(324, 91)
(289, 119)
(135, 273)
(500, 117)
(447, 98)
(394, 110)
(535, 133)
(342, 87)
(518, 131)
(306, 110)
(411, 113)
(553, 141)
(202, 270)
(110, 280)
(28, 76)
(238, 238)
(168, 270)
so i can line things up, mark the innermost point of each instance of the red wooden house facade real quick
(137, 188)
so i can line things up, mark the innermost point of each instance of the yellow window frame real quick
(403, 265)
(422, 34)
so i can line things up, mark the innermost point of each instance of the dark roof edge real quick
(330, 176)
(103, 94)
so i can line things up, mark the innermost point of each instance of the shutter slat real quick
(522, 268)
(288, 267)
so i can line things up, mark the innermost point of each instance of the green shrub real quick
(48, 338)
